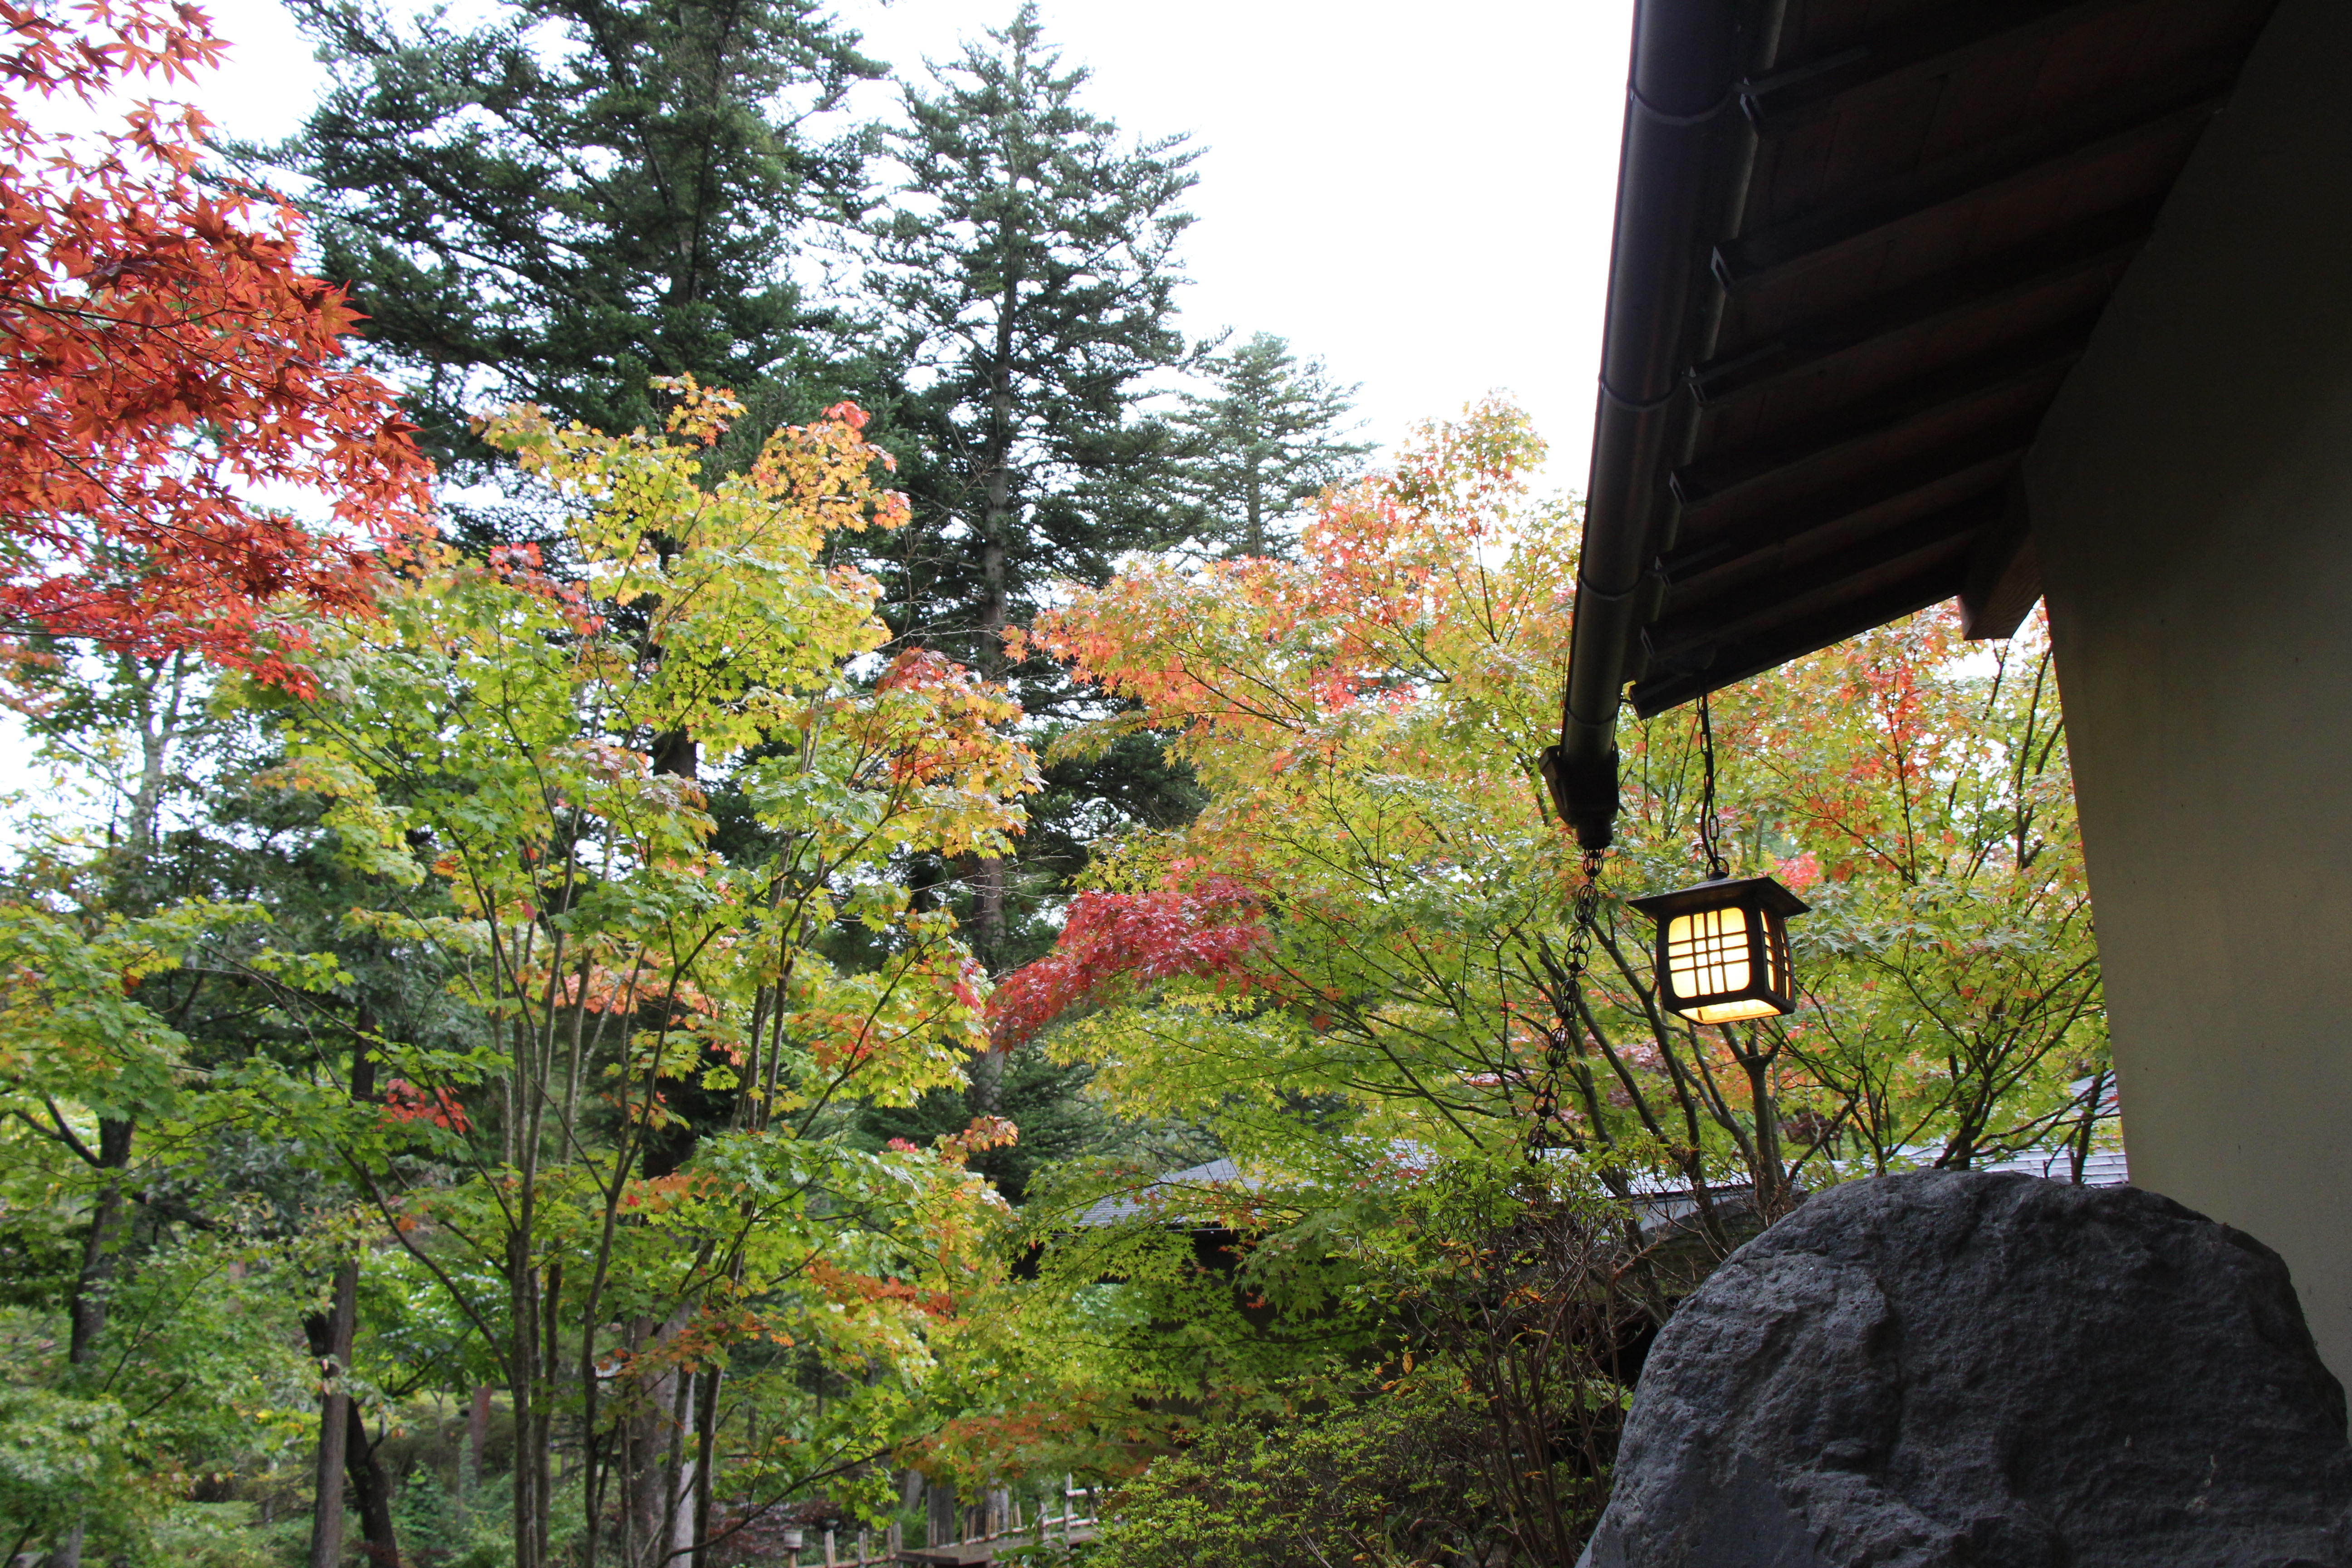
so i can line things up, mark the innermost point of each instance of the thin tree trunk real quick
(522, 1385)
(673, 1531)
(677, 1514)
(995, 613)
(97, 1274)
(910, 1495)
(640, 1433)
(330, 1341)
(653, 1462)
(1768, 1173)
(595, 1452)
(706, 1441)
(477, 1437)
(134, 852)
(343, 1446)
(87, 1311)
(550, 1363)
(372, 1489)
(2078, 1149)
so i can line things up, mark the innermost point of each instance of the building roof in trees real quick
(1859, 245)
(2101, 1167)
(1664, 1202)
(1165, 1192)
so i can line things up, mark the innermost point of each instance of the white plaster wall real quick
(2192, 497)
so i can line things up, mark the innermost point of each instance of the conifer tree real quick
(571, 197)
(1268, 439)
(1027, 261)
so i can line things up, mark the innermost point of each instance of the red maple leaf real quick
(164, 362)
(1211, 927)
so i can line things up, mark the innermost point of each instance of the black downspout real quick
(1687, 152)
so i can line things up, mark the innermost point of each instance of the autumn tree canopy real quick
(173, 378)
(639, 1122)
(1373, 906)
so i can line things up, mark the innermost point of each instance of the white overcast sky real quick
(1421, 194)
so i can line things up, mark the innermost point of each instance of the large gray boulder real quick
(1954, 1368)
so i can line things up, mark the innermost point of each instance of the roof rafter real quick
(1738, 609)
(1810, 632)
(2174, 112)
(1941, 394)
(2108, 241)
(1940, 480)
(1806, 94)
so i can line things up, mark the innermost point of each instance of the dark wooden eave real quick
(1860, 245)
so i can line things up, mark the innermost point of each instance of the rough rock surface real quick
(1957, 1368)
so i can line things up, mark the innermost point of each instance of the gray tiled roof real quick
(2104, 1168)
(1136, 1200)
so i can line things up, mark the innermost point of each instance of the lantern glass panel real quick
(1707, 954)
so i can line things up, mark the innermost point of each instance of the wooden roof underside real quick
(1932, 202)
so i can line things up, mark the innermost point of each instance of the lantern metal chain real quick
(1710, 824)
(1561, 1042)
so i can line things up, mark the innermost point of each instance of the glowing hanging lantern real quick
(1723, 949)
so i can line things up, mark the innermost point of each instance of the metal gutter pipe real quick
(1675, 178)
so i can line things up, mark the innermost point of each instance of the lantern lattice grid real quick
(1723, 949)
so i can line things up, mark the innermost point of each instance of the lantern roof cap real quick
(1720, 890)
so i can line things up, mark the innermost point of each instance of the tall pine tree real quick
(573, 196)
(1269, 438)
(1027, 261)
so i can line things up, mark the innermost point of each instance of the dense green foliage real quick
(564, 202)
(1266, 441)
(1027, 267)
(559, 200)
(1379, 1480)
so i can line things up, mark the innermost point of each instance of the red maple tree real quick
(170, 370)
(1212, 926)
